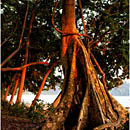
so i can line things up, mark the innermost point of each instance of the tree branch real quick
(26, 55)
(24, 66)
(9, 35)
(20, 41)
(15, 87)
(99, 39)
(6, 93)
(99, 68)
(66, 33)
(43, 82)
(80, 5)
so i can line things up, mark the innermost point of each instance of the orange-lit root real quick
(26, 55)
(57, 100)
(74, 54)
(15, 87)
(80, 5)
(7, 91)
(24, 66)
(103, 74)
(19, 96)
(42, 84)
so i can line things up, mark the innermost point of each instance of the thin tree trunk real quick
(7, 91)
(15, 87)
(42, 84)
(85, 102)
(57, 100)
(26, 56)
(21, 83)
(20, 41)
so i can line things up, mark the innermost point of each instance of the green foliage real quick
(112, 16)
(13, 110)
(34, 113)
(100, 16)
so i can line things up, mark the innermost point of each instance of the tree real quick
(83, 95)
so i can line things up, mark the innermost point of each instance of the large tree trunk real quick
(85, 103)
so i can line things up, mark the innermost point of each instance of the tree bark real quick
(15, 87)
(85, 103)
(7, 90)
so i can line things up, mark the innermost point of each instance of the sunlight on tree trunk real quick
(15, 87)
(57, 100)
(84, 102)
(7, 91)
(26, 56)
(83, 98)
(42, 84)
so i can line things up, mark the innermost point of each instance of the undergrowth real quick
(36, 113)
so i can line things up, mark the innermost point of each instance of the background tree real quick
(106, 23)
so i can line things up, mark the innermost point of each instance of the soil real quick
(17, 123)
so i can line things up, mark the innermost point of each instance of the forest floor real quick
(16, 123)
(21, 118)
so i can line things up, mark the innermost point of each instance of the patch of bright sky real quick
(57, 34)
(120, 71)
(60, 11)
(57, 73)
(1, 10)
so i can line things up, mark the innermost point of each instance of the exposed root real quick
(43, 82)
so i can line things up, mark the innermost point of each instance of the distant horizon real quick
(122, 90)
(50, 95)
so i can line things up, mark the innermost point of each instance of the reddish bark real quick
(7, 91)
(15, 87)
(85, 102)
(66, 32)
(42, 84)
(80, 5)
(57, 100)
(26, 56)
(24, 66)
